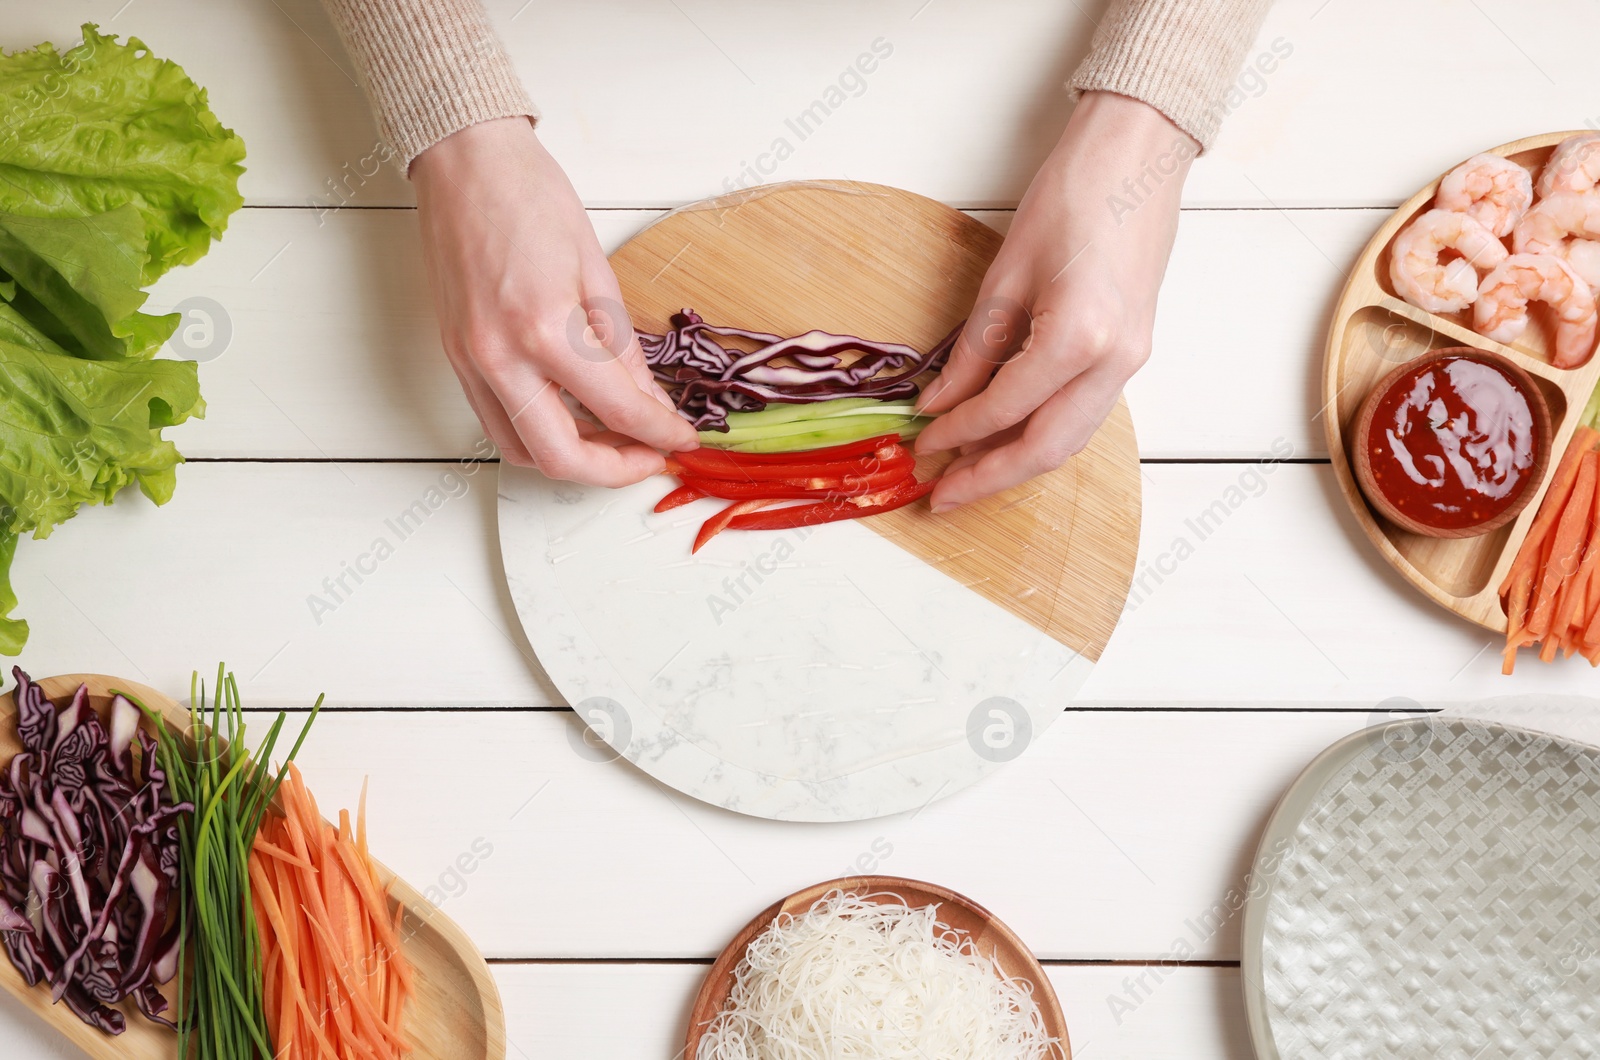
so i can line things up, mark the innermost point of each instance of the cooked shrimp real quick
(1493, 190)
(1501, 311)
(1442, 287)
(1584, 257)
(1573, 166)
(1556, 218)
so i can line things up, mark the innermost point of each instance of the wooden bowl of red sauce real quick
(1452, 444)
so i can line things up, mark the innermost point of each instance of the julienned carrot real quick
(1565, 548)
(337, 977)
(1517, 614)
(362, 1007)
(264, 847)
(317, 1024)
(319, 915)
(1575, 606)
(1555, 499)
(1551, 594)
(1591, 603)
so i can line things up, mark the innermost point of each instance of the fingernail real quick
(940, 509)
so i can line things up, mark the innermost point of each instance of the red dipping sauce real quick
(1452, 442)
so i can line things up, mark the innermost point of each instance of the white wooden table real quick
(598, 895)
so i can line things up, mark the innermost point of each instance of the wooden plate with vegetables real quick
(916, 968)
(1498, 261)
(427, 985)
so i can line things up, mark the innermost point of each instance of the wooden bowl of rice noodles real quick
(842, 969)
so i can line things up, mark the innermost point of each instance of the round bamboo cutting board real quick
(1375, 331)
(455, 1013)
(859, 668)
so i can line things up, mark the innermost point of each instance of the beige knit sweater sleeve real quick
(429, 68)
(432, 67)
(1180, 56)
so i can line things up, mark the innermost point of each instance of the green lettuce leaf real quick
(13, 631)
(106, 124)
(77, 280)
(74, 431)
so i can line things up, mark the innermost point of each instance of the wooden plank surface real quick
(1134, 843)
(652, 104)
(1252, 588)
(573, 1010)
(1131, 842)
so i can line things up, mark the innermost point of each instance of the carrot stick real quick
(405, 967)
(269, 984)
(273, 851)
(1517, 615)
(373, 904)
(343, 1026)
(1555, 499)
(1574, 607)
(1552, 505)
(1584, 621)
(289, 1014)
(1528, 590)
(1521, 594)
(268, 890)
(361, 823)
(1536, 544)
(336, 979)
(1553, 637)
(1591, 634)
(363, 1004)
(1566, 543)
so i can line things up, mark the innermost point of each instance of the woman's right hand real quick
(528, 306)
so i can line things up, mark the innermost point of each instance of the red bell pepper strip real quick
(678, 498)
(719, 522)
(832, 452)
(832, 511)
(707, 463)
(810, 488)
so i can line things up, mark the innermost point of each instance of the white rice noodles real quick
(861, 976)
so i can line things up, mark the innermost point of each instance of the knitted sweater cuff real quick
(429, 67)
(1182, 57)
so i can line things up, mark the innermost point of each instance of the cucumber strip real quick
(851, 430)
(784, 413)
(784, 430)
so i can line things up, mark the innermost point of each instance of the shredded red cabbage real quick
(707, 380)
(88, 858)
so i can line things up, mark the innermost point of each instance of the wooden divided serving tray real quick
(455, 1013)
(1373, 332)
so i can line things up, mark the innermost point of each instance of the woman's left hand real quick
(1065, 313)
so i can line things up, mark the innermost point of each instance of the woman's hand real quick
(1064, 316)
(528, 306)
